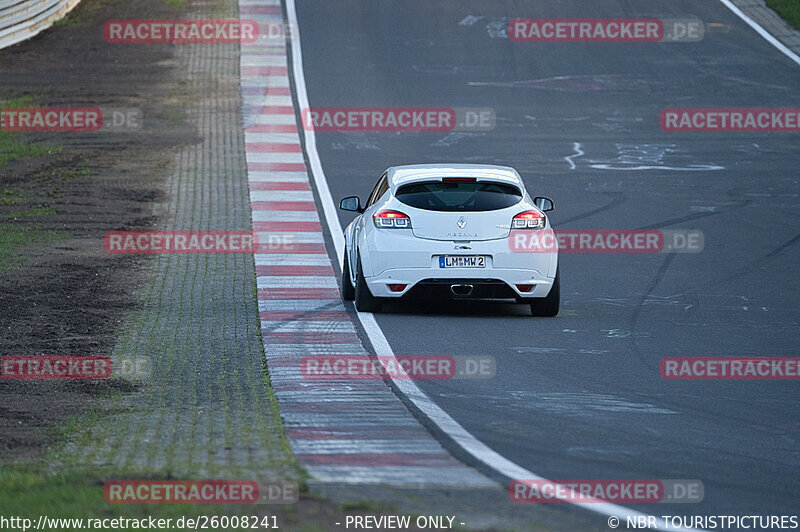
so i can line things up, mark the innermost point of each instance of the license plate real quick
(462, 261)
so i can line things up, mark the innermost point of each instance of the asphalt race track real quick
(580, 396)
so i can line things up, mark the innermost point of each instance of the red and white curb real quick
(340, 431)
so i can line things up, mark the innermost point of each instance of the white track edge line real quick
(434, 412)
(761, 31)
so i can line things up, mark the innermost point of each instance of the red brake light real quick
(528, 220)
(389, 219)
(397, 287)
(459, 180)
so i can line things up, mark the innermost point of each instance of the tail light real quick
(388, 219)
(528, 220)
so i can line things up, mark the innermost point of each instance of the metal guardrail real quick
(22, 19)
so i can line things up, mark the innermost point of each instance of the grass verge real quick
(11, 147)
(788, 9)
(14, 237)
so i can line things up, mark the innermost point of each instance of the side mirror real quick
(544, 204)
(351, 203)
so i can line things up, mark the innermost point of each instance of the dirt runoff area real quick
(60, 191)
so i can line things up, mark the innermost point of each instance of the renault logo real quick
(462, 223)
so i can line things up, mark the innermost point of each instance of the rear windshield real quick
(458, 196)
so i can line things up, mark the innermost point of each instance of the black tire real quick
(348, 292)
(365, 301)
(548, 307)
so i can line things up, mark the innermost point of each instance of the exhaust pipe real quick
(461, 289)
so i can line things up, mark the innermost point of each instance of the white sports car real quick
(442, 231)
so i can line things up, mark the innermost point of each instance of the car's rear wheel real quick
(548, 306)
(365, 301)
(348, 292)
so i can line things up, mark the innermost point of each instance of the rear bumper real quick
(398, 257)
(461, 289)
(468, 283)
